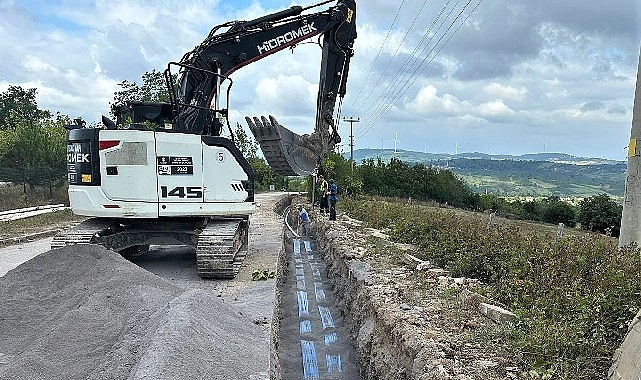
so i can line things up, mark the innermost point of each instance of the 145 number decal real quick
(182, 192)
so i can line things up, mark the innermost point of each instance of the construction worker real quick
(333, 191)
(324, 190)
(303, 220)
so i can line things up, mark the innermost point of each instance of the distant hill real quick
(539, 174)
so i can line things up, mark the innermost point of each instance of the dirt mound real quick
(83, 312)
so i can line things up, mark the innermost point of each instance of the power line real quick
(402, 75)
(399, 88)
(380, 50)
(392, 57)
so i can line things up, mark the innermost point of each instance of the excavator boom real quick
(220, 54)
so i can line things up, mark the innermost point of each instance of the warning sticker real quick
(170, 165)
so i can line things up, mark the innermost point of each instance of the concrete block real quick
(627, 358)
(496, 313)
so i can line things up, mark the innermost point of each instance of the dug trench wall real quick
(401, 330)
(274, 365)
(387, 347)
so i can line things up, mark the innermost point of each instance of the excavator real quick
(166, 173)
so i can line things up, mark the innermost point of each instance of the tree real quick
(264, 176)
(18, 106)
(556, 211)
(247, 145)
(338, 168)
(32, 142)
(600, 213)
(152, 89)
(54, 152)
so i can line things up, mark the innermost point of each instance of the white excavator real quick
(164, 174)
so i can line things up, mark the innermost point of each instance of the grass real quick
(36, 224)
(13, 196)
(573, 296)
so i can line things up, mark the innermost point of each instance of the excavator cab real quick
(142, 115)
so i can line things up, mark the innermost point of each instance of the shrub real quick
(573, 298)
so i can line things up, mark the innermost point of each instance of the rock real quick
(471, 299)
(437, 272)
(496, 313)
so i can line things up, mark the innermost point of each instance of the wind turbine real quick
(395, 142)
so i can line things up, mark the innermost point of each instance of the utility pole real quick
(631, 218)
(351, 121)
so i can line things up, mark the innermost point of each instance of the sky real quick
(441, 76)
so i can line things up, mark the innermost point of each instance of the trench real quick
(313, 338)
(369, 340)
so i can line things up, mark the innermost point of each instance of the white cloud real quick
(37, 65)
(288, 95)
(495, 109)
(505, 92)
(427, 101)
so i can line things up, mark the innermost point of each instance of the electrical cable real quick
(400, 87)
(364, 101)
(380, 50)
(403, 76)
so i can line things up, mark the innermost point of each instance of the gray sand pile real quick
(83, 312)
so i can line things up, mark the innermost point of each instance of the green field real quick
(532, 175)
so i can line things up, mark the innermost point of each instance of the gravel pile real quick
(84, 312)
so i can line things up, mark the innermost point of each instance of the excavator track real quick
(86, 232)
(222, 247)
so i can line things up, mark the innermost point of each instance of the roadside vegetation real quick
(13, 196)
(417, 182)
(573, 296)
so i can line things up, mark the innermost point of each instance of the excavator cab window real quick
(150, 115)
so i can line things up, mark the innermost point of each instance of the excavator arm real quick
(203, 71)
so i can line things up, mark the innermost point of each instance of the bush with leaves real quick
(601, 214)
(573, 298)
(32, 142)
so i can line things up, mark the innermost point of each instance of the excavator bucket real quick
(287, 153)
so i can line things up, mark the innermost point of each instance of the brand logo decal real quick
(286, 38)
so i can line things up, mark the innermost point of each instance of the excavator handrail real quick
(175, 104)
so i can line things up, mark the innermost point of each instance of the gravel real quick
(84, 312)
